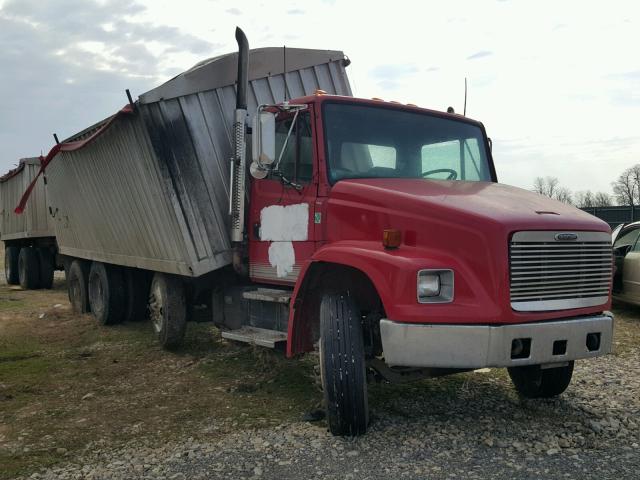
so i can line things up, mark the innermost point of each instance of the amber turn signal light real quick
(391, 238)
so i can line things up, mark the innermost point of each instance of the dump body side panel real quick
(113, 202)
(34, 221)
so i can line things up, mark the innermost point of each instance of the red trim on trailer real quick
(66, 147)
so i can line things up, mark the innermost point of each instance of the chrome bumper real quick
(479, 346)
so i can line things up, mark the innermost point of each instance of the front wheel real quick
(342, 365)
(534, 382)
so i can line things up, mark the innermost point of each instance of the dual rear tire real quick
(30, 267)
(115, 294)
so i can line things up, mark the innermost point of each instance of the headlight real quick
(435, 286)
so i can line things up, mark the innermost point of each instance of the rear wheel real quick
(47, 267)
(342, 365)
(534, 382)
(11, 255)
(29, 268)
(106, 293)
(167, 309)
(77, 286)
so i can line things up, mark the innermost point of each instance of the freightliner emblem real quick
(566, 236)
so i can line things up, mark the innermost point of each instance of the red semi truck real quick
(372, 231)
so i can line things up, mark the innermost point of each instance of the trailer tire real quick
(137, 293)
(47, 267)
(342, 365)
(167, 309)
(106, 293)
(531, 381)
(78, 286)
(29, 268)
(11, 255)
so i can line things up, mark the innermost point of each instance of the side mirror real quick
(622, 250)
(264, 138)
(490, 144)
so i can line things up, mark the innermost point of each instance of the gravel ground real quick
(472, 427)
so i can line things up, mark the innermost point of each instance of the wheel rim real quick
(156, 310)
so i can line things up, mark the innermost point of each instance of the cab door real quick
(281, 213)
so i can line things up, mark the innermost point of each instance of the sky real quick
(556, 84)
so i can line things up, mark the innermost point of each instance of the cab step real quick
(256, 336)
(268, 295)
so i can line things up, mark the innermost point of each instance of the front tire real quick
(342, 365)
(106, 293)
(168, 310)
(531, 381)
(11, 255)
(29, 268)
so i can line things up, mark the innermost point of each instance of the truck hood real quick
(511, 207)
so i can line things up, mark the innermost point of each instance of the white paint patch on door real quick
(282, 257)
(285, 223)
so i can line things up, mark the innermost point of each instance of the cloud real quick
(71, 60)
(233, 11)
(390, 76)
(295, 11)
(480, 54)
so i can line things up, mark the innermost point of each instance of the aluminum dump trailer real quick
(35, 221)
(150, 188)
(29, 238)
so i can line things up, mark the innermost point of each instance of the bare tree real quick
(602, 199)
(588, 199)
(563, 194)
(539, 186)
(626, 188)
(550, 186)
(585, 199)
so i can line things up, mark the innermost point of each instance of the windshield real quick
(373, 142)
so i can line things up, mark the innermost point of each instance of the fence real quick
(614, 216)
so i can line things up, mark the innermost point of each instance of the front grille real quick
(550, 274)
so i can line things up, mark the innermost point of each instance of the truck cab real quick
(407, 257)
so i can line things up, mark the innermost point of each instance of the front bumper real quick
(479, 346)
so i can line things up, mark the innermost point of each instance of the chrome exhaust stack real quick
(238, 162)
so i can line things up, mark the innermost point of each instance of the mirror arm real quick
(286, 140)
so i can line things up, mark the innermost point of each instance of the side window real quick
(297, 159)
